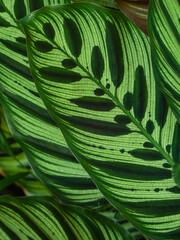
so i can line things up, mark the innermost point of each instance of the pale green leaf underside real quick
(164, 32)
(30, 122)
(94, 74)
(41, 218)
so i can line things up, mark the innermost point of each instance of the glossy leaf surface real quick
(42, 218)
(95, 77)
(164, 32)
(31, 124)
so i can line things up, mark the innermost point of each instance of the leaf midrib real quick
(118, 104)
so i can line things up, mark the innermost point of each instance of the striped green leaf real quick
(164, 32)
(30, 123)
(104, 3)
(116, 216)
(42, 218)
(14, 163)
(95, 76)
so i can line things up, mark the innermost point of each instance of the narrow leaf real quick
(164, 32)
(9, 180)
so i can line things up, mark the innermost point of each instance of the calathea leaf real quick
(164, 31)
(97, 82)
(30, 122)
(42, 218)
(14, 164)
(104, 3)
(137, 11)
(164, 34)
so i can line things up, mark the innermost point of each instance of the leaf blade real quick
(42, 218)
(164, 37)
(116, 160)
(32, 126)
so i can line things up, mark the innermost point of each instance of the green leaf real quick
(164, 31)
(31, 125)
(124, 137)
(104, 3)
(116, 216)
(42, 218)
(4, 144)
(9, 180)
(14, 163)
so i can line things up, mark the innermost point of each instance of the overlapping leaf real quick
(94, 74)
(14, 164)
(116, 216)
(18, 165)
(137, 11)
(30, 122)
(42, 218)
(104, 3)
(164, 32)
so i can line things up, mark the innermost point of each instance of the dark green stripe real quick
(28, 221)
(161, 108)
(146, 154)
(162, 81)
(19, 9)
(15, 47)
(96, 126)
(11, 234)
(43, 46)
(131, 171)
(34, 5)
(169, 19)
(99, 92)
(71, 182)
(49, 30)
(72, 36)
(148, 145)
(69, 63)
(2, 9)
(128, 101)
(31, 107)
(61, 75)
(150, 126)
(57, 214)
(122, 119)
(97, 62)
(4, 23)
(49, 148)
(155, 207)
(115, 54)
(21, 40)
(140, 93)
(94, 103)
(15, 66)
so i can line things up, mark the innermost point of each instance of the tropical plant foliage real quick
(93, 124)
